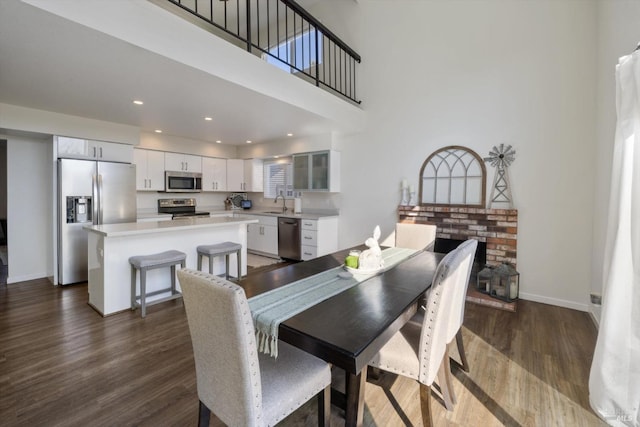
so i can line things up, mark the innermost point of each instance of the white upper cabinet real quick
(77, 148)
(319, 171)
(149, 169)
(235, 175)
(214, 174)
(182, 162)
(254, 175)
(245, 175)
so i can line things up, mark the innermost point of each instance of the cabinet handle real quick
(100, 152)
(307, 253)
(94, 151)
(307, 238)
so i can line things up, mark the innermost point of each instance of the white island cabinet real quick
(111, 245)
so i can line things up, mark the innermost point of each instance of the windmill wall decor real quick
(501, 158)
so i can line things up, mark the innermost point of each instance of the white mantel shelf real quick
(110, 246)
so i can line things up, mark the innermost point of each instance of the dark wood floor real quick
(61, 364)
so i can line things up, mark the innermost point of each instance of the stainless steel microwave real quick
(182, 182)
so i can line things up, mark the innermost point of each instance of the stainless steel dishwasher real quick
(289, 238)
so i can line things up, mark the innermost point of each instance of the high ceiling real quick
(53, 64)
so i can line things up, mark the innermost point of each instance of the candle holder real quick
(405, 196)
(412, 198)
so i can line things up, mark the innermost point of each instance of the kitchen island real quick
(111, 245)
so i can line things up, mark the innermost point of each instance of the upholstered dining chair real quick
(420, 351)
(415, 236)
(241, 386)
(457, 312)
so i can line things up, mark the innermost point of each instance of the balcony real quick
(285, 35)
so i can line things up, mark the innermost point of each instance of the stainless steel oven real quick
(180, 208)
(182, 182)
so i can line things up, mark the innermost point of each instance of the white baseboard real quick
(595, 312)
(554, 301)
(34, 276)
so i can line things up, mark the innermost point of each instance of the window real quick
(278, 179)
(297, 53)
(453, 176)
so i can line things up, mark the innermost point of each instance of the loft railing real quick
(285, 35)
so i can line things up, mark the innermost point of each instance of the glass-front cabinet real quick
(317, 171)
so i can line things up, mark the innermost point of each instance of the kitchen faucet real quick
(284, 201)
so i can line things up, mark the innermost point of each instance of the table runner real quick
(274, 307)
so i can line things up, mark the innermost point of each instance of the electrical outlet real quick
(596, 299)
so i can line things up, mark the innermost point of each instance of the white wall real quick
(618, 35)
(163, 142)
(46, 122)
(479, 73)
(29, 208)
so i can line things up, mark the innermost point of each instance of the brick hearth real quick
(498, 228)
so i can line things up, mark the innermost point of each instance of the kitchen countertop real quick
(134, 228)
(288, 214)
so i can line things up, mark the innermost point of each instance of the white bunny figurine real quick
(371, 259)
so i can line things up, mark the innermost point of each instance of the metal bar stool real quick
(220, 249)
(150, 262)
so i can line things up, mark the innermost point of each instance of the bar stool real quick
(220, 249)
(151, 262)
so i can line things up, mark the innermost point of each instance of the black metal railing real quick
(285, 35)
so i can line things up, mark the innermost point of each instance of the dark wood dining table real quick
(348, 329)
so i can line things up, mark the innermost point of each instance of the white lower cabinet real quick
(262, 238)
(318, 237)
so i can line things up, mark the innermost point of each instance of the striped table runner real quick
(274, 307)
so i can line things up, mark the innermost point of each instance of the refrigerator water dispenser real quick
(78, 209)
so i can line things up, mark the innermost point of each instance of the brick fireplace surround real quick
(498, 228)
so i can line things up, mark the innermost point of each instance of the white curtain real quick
(614, 383)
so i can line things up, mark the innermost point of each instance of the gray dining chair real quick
(415, 236)
(419, 351)
(241, 386)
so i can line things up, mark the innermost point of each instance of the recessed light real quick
(208, 119)
(158, 130)
(248, 141)
(218, 142)
(276, 157)
(289, 134)
(138, 102)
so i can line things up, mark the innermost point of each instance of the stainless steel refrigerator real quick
(89, 192)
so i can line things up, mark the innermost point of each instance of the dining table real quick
(348, 329)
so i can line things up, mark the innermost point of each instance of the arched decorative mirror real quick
(453, 176)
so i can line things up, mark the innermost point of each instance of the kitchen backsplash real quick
(149, 200)
(323, 202)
